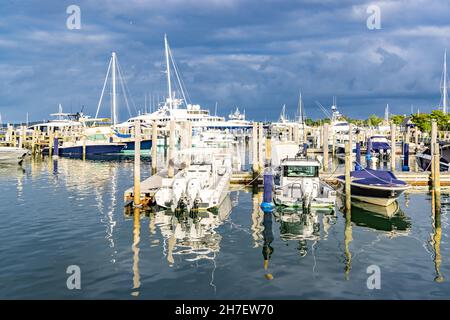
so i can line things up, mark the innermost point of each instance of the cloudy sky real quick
(255, 54)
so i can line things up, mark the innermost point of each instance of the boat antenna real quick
(444, 85)
(215, 110)
(169, 85)
(386, 113)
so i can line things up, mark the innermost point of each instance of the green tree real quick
(397, 118)
(422, 121)
(374, 120)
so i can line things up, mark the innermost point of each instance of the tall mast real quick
(444, 98)
(166, 45)
(114, 106)
(300, 108)
(386, 113)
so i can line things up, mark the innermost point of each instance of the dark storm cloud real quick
(253, 54)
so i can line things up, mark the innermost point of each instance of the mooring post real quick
(436, 174)
(348, 163)
(33, 143)
(255, 164)
(405, 166)
(416, 139)
(432, 146)
(260, 147)
(137, 163)
(83, 141)
(325, 147)
(368, 152)
(154, 147)
(56, 146)
(267, 204)
(24, 136)
(358, 157)
(50, 142)
(170, 158)
(393, 146)
(189, 143)
(297, 134)
(268, 147)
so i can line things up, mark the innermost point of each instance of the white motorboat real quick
(203, 185)
(300, 186)
(12, 155)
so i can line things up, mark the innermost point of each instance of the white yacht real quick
(300, 186)
(179, 109)
(62, 121)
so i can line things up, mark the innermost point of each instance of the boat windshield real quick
(300, 171)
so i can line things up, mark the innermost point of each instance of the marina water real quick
(58, 213)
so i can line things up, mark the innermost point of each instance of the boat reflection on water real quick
(388, 219)
(192, 235)
(296, 225)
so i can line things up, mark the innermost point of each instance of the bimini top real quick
(300, 161)
(375, 177)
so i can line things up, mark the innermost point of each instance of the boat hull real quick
(381, 196)
(145, 145)
(424, 162)
(91, 149)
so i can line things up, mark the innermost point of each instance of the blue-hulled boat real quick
(145, 145)
(76, 149)
(380, 144)
(374, 186)
(128, 140)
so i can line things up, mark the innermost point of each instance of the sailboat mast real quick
(169, 85)
(445, 98)
(114, 103)
(386, 113)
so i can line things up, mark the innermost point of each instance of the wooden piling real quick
(84, 146)
(260, 147)
(325, 147)
(171, 154)
(154, 147)
(268, 148)
(393, 146)
(255, 162)
(416, 138)
(137, 163)
(297, 134)
(436, 174)
(50, 142)
(348, 164)
(23, 136)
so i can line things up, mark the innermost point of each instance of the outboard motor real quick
(182, 204)
(195, 207)
(307, 188)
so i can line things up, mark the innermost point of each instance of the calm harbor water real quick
(69, 212)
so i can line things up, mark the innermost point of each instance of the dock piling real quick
(255, 164)
(137, 164)
(348, 163)
(170, 158)
(393, 146)
(325, 147)
(154, 146)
